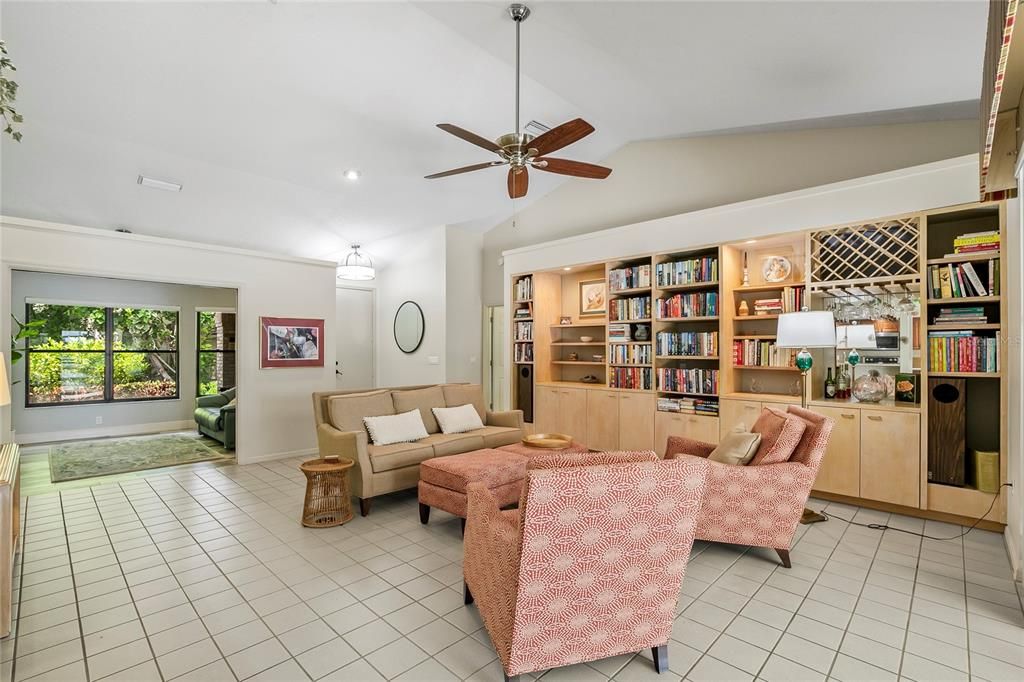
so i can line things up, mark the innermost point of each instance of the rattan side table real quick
(328, 500)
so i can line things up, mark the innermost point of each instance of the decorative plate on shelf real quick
(776, 269)
(548, 441)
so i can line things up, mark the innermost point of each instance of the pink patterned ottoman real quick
(443, 480)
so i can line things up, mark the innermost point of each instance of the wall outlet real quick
(99, 420)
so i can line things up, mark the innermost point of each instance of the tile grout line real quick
(967, 609)
(913, 592)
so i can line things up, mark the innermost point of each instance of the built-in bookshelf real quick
(687, 342)
(522, 320)
(630, 304)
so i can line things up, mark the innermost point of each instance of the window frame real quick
(200, 350)
(108, 355)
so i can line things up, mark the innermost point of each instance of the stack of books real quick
(959, 280)
(629, 278)
(761, 353)
(619, 332)
(687, 343)
(699, 381)
(628, 377)
(636, 308)
(693, 271)
(630, 354)
(689, 406)
(793, 299)
(961, 316)
(525, 311)
(962, 351)
(768, 306)
(976, 242)
(524, 331)
(703, 304)
(524, 289)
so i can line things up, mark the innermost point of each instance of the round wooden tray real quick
(548, 441)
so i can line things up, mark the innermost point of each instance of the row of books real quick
(687, 343)
(632, 354)
(689, 406)
(523, 290)
(976, 242)
(629, 278)
(638, 378)
(962, 351)
(523, 352)
(761, 353)
(957, 280)
(692, 271)
(524, 310)
(965, 315)
(634, 308)
(620, 332)
(700, 304)
(695, 380)
(523, 331)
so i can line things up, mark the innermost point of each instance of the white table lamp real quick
(803, 330)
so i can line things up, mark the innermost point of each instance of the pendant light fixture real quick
(356, 266)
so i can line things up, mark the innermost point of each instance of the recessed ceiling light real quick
(567, 269)
(750, 241)
(352, 174)
(159, 184)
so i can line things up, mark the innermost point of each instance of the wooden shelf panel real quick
(697, 318)
(627, 364)
(701, 395)
(766, 337)
(525, 300)
(767, 368)
(524, 362)
(967, 375)
(965, 258)
(577, 325)
(745, 318)
(629, 292)
(644, 320)
(578, 362)
(963, 299)
(958, 327)
(578, 343)
(687, 287)
(761, 288)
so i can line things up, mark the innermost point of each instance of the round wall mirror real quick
(409, 327)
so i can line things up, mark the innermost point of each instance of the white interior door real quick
(355, 338)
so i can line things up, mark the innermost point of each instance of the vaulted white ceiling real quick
(258, 108)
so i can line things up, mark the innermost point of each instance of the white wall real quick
(415, 272)
(38, 424)
(659, 178)
(275, 408)
(463, 305)
(1014, 362)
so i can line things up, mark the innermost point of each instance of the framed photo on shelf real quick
(291, 342)
(565, 319)
(593, 297)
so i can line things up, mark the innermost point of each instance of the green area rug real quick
(85, 459)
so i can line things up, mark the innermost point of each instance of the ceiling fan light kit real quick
(520, 150)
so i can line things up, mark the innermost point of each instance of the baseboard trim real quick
(271, 456)
(103, 432)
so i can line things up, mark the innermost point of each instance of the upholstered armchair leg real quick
(784, 555)
(364, 506)
(514, 678)
(463, 522)
(424, 513)
(467, 596)
(660, 655)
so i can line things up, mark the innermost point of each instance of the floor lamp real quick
(803, 330)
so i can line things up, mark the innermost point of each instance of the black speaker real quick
(524, 391)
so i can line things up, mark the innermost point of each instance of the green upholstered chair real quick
(216, 418)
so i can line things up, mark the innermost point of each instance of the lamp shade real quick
(806, 329)
(5, 388)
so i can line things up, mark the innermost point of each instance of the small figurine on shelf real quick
(744, 309)
(574, 356)
(746, 272)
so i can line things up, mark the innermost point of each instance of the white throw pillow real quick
(396, 428)
(458, 419)
(737, 448)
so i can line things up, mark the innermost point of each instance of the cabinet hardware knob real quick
(847, 416)
(874, 418)
(749, 407)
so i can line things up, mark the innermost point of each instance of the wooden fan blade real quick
(518, 182)
(578, 169)
(472, 138)
(561, 136)
(464, 169)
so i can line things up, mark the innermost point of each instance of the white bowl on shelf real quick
(586, 339)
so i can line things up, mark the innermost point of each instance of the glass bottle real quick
(830, 385)
(843, 384)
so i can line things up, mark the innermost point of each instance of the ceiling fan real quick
(519, 150)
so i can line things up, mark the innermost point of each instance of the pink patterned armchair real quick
(760, 504)
(593, 567)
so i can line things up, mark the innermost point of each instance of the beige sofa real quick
(384, 469)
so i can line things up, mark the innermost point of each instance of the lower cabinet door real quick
(572, 412)
(840, 468)
(602, 420)
(733, 413)
(545, 409)
(636, 421)
(703, 428)
(692, 426)
(890, 457)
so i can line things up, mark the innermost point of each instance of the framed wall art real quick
(291, 342)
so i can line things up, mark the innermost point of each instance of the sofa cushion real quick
(422, 399)
(780, 434)
(445, 444)
(397, 456)
(210, 417)
(460, 394)
(496, 436)
(347, 411)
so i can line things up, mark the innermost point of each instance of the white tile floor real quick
(207, 575)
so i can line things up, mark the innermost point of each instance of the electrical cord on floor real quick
(882, 526)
